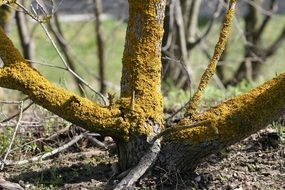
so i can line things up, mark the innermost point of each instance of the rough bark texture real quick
(142, 74)
(137, 116)
(231, 121)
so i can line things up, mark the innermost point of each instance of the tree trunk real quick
(24, 35)
(100, 44)
(135, 119)
(142, 76)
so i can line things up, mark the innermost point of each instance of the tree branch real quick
(231, 122)
(265, 20)
(209, 72)
(218, 9)
(48, 154)
(276, 44)
(144, 164)
(17, 74)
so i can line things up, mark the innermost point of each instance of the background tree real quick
(5, 15)
(136, 120)
(256, 49)
(183, 36)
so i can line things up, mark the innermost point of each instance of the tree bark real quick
(231, 121)
(137, 117)
(142, 76)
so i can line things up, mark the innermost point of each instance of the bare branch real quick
(276, 44)
(266, 19)
(13, 116)
(217, 13)
(104, 100)
(58, 34)
(100, 44)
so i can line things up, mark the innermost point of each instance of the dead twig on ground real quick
(49, 154)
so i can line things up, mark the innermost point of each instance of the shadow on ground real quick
(59, 176)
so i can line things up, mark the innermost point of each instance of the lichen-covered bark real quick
(211, 69)
(231, 121)
(17, 74)
(141, 75)
(141, 60)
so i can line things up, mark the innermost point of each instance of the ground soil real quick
(258, 162)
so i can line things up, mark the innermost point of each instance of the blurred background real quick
(90, 35)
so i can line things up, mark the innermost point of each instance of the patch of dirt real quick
(89, 169)
(258, 162)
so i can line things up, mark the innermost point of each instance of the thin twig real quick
(167, 120)
(68, 68)
(48, 154)
(33, 16)
(182, 63)
(46, 64)
(13, 137)
(13, 116)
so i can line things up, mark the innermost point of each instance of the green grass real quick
(81, 38)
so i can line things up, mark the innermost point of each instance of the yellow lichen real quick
(17, 74)
(142, 63)
(141, 76)
(209, 72)
(239, 116)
